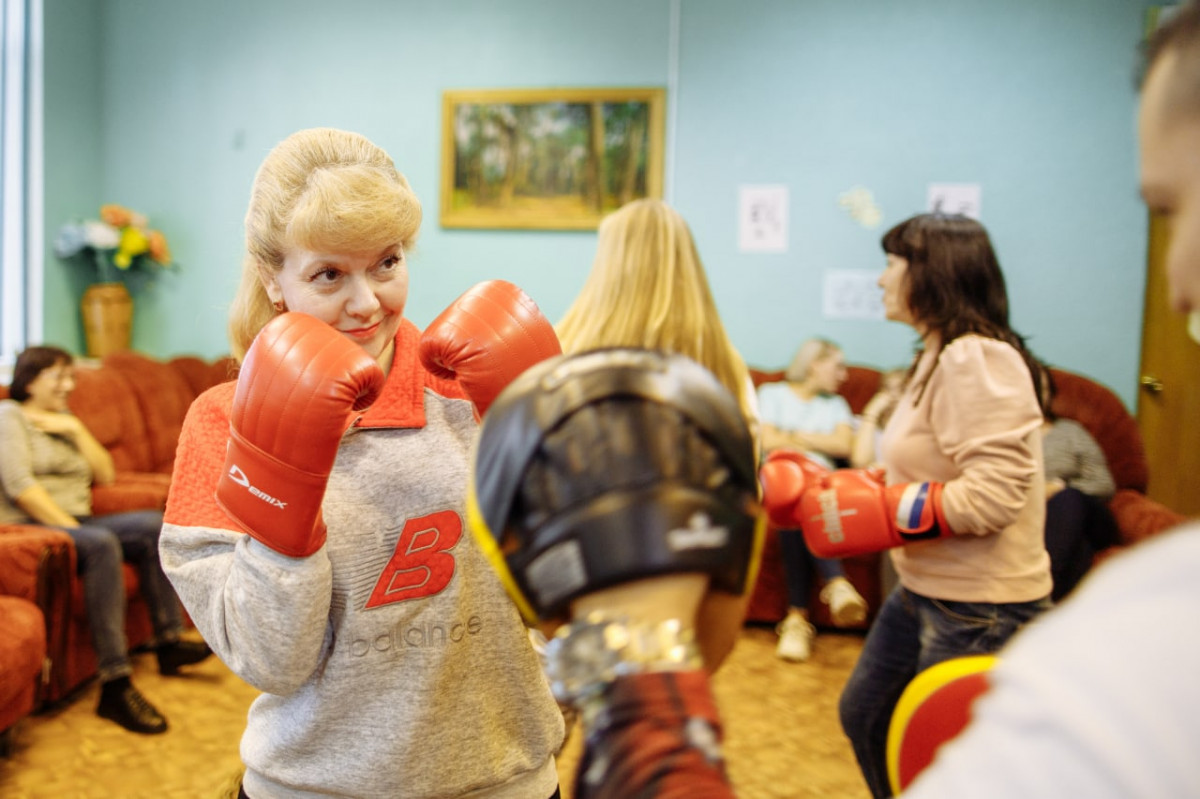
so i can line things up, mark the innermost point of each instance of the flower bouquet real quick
(121, 249)
(120, 245)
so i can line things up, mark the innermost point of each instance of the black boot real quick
(124, 704)
(180, 653)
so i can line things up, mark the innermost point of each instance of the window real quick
(21, 224)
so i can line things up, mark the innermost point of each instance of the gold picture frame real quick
(551, 159)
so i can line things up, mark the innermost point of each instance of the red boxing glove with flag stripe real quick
(487, 337)
(297, 391)
(851, 512)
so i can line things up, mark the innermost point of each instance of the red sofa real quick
(22, 653)
(134, 405)
(1091, 404)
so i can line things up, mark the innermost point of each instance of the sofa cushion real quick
(162, 396)
(201, 375)
(760, 376)
(131, 491)
(105, 402)
(22, 652)
(22, 549)
(1139, 517)
(861, 384)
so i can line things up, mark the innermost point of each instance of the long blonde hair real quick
(647, 288)
(318, 189)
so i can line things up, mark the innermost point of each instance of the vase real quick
(107, 312)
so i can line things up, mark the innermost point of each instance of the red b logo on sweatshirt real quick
(422, 565)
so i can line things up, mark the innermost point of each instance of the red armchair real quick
(1104, 415)
(34, 564)
(22, 653)
(134, 405)
(1091, 404)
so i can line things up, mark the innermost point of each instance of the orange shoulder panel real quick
(199, 460)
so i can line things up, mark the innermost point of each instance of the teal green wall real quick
(1032, 99)
(74, 161)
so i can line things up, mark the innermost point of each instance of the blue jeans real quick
(798, 565)
(910, 634)
(101, 544)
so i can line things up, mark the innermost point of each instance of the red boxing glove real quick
(298, 387)
(784, 476)
(487, 337)
(851, 512)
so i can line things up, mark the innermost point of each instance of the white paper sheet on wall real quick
(852, 294)
(763, 218)
(956, 198)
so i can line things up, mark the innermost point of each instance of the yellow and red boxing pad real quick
(934, 708)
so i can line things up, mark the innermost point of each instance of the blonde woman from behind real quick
(648, 288)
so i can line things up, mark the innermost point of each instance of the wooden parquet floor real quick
(782, 738)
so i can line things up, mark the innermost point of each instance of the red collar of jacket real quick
(402, 403)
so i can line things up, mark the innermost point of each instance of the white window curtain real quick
(21, 223)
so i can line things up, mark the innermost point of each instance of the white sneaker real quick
(795, 639)
(846, 605)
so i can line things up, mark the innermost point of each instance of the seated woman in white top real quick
(805, 412)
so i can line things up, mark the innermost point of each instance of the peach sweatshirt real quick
(976, 428)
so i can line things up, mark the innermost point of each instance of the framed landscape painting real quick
(548, 158)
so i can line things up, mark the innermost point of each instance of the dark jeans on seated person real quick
(102, 543)
(1077, 527)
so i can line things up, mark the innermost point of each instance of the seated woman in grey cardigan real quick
(48, 464)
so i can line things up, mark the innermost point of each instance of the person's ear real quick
(270, 284)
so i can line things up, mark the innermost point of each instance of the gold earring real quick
(278, 306)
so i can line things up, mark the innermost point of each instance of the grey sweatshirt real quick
(392, 662)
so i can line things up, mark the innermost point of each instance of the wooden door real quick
(1169, 397)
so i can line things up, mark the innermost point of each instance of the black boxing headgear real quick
(609, 466)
